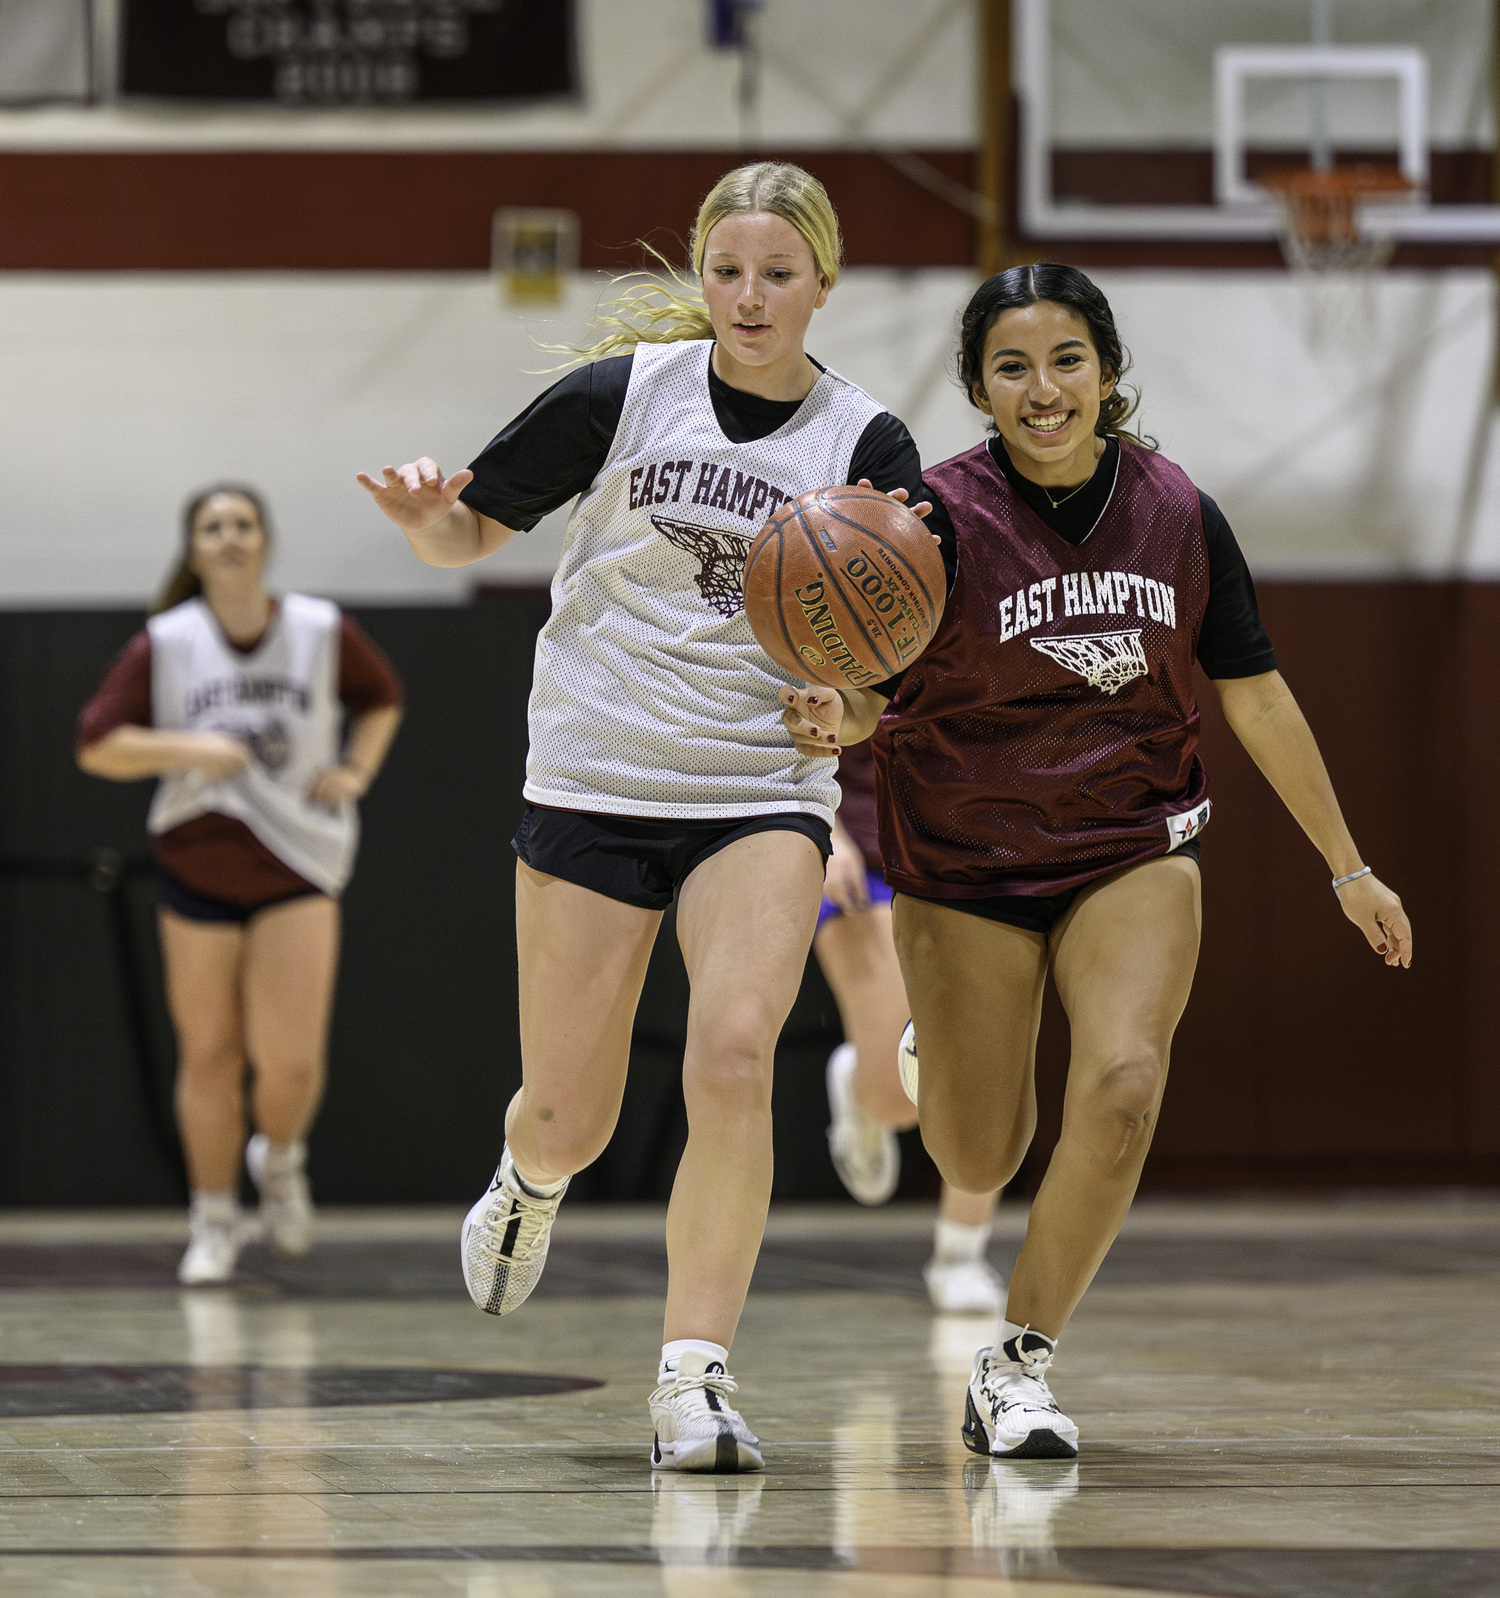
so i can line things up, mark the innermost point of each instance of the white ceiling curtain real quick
(44, 51)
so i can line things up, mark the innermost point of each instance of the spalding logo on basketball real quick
(844, 587)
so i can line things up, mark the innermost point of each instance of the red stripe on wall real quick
(352, 211)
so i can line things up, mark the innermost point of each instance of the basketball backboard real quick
(1152, 118)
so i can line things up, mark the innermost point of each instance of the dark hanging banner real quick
(347, 52)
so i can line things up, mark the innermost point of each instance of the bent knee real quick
(973, 1163)
(1125, 1097)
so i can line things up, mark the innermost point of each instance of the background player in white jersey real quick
(234, 698)
(659, 766)
(866, 1102)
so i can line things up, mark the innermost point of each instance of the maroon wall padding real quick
(1302, 1060)
(354, 211)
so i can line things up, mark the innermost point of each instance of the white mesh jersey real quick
(281, 699)
(651, 696)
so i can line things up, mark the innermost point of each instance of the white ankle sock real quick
(542, 1190)
(283, 1158)
(953, 1242)
(673, 1351)
(1009, 1329)
(221, 1205)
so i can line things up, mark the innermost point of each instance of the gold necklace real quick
(1054, 503)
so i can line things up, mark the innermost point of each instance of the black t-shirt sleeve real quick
(1233, 641)
(553, 450)
(887, 454)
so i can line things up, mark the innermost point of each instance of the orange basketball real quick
(844, 587)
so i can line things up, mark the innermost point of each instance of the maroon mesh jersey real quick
(1051, 727)
(857, 811)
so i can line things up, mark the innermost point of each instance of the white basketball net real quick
(1106, 661)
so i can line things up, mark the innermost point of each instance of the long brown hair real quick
(1019, 286)
(184, 583)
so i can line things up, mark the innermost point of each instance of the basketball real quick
(844, 586)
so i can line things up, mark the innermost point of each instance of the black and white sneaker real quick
(1010, 1412)
(695, 1428)
(505, 1240)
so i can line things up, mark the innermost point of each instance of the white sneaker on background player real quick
(695, 1428)
(286, 1209)
(963, 1287)
(217, 1231)
(505, 1239)
(865, 1154)
(1010, 1412)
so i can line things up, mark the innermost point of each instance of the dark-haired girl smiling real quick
(1042, 799)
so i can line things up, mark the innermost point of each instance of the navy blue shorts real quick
(181, 900)
(1039, 912)
(641, 860)
(877, 887)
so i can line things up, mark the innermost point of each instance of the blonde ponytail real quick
(667, 309)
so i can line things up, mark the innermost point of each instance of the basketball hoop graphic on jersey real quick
(721, 561)
(1106, 661)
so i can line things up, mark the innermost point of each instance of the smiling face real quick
(761, 285)
(229, 542)
(1043, 384)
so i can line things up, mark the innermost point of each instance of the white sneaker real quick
(695, 1428)
(505, 1238)
(216, 1233)
(865, 1154)
(1010, 1411)
(906, 1061)
(963, 1287)
(286, 1209)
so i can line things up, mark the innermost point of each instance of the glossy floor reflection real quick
(1277, 1401)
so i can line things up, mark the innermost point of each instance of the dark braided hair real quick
(184, 583)
(1019, 286)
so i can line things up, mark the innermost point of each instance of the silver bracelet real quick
(1353, 876)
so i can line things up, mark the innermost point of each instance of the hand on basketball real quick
(845, 882)
(923, 507)
(1377, 912)
(813, 717)
(217, 755)
(336, 786)
(416, 496)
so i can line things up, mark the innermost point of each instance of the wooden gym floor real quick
(1277, 1400)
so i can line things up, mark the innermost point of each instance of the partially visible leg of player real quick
(866, 1104)
(201, 960)
(1123, 961)
(975, 988)
(745, 918)
(582, 960)
(290, 965)
(976, 994)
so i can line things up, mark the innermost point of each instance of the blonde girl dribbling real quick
(660, 766)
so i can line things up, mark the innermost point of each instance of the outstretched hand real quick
(417, 495)
(813, 716)
(1377, 912)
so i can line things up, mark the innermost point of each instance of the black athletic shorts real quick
(181, 900)
(1034, 912)
(640, 860)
